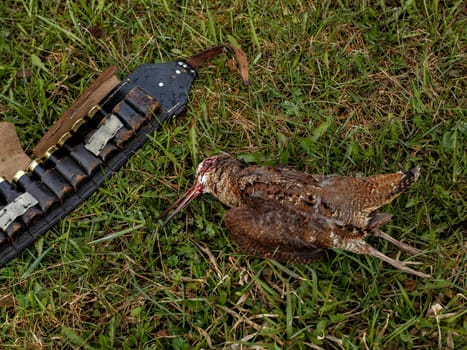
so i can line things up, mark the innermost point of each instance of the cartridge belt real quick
(90, 142)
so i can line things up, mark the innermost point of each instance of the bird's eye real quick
(206, 165)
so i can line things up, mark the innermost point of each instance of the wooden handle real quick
(100, 88)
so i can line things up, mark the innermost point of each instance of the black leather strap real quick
(97, 147)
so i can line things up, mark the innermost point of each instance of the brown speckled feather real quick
(271, 234)
(338, 199)
(292, 216)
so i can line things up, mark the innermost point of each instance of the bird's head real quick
(203, 176)
(202, 184)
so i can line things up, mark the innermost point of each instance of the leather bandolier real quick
(90, 142)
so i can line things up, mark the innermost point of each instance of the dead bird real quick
(289, 215)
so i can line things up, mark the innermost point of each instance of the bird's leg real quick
(359, 246)
(381, 234)
(396, 263)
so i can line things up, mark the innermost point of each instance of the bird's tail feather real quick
(407, 180)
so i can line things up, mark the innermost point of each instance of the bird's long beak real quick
(182, 202)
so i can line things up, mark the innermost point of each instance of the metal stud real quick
(33, 165)
(77, 124)
(18, 174)
(49, 152)
(93, 111)
(61, 141)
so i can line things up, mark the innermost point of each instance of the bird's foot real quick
(400, 265)
(408, 248)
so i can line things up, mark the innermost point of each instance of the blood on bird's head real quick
(205, 166)
(202, 174)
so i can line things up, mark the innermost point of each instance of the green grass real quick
(336, 88)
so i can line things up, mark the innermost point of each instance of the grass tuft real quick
(337, 87)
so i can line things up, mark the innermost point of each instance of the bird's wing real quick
(336, 200)
(365, 193)
(274, 233)
(353, 201)
(292, 189)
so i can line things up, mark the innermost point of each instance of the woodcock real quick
(289, 215)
